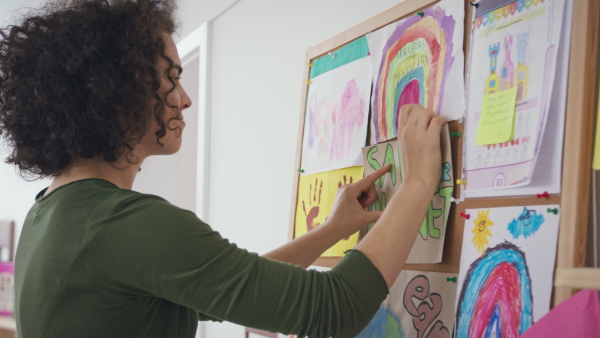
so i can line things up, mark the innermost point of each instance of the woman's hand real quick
(348, 214)
(419, 138)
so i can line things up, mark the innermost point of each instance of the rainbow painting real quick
(496, 299)
(505, 281)
(413, 59)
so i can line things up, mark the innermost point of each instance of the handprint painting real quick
(316, 195)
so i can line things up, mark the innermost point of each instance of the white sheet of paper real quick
(548, 168)
(506, 268)
(337, 113)
(418, 60)
(516, 50)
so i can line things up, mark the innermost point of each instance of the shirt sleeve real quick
(147, 246)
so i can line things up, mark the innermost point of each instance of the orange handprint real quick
(314, 210)
(340, 185)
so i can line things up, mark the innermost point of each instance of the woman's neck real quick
(120, 173)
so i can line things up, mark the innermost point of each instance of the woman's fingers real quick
(368, 182)
(436, 124)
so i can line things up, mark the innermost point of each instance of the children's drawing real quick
(481, 230)
(522, 75)
(312, 204)
(495, 299)
(492, 85)
(385, 324)
(420, 304)
(526, 224)
(316, 195)
(417, 60)
(503, 291)
(529, 35)
(508, 69)
(337, 110)
(429, 245)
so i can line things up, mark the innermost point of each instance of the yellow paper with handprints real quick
(316, 195)
(497, 119)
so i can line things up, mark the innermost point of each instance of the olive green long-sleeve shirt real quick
(95, 260)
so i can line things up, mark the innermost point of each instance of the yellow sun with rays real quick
(481, 232)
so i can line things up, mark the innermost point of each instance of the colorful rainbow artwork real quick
(415, 61)
(496, 298)
(385, 324)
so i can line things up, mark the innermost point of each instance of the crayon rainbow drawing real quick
(413, 68)
(496, 297)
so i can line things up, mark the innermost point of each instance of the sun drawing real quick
(481, 231)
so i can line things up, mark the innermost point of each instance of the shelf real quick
(8, 323)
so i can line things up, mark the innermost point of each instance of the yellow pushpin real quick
(309, 81)
(310, 64)
(463, 182)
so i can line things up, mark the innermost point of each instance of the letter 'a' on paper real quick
(497, 119)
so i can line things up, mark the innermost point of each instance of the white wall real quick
(257, 75)
(16, 194)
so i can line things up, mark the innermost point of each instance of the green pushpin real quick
(457, 134)
(301, 170)
(553, 211)
(453, 279)
(421, 14)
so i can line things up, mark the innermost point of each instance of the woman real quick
(88, 90)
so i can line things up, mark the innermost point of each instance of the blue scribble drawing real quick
(385, 324)
(526, 224)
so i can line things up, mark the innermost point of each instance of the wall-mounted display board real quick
(517, 80)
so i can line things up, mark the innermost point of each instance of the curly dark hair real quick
(79, 79)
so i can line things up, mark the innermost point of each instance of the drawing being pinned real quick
(429, 245)
(414, 62)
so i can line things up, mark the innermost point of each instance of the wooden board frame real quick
(578, 143)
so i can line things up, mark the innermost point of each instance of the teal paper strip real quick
(353, 51)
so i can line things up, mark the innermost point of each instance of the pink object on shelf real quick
(578, 316)
(7, 288)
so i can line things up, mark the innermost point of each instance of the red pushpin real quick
(467, 216)
(545, 194)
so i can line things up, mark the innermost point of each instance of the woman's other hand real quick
(420, 150)
(348, 214)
